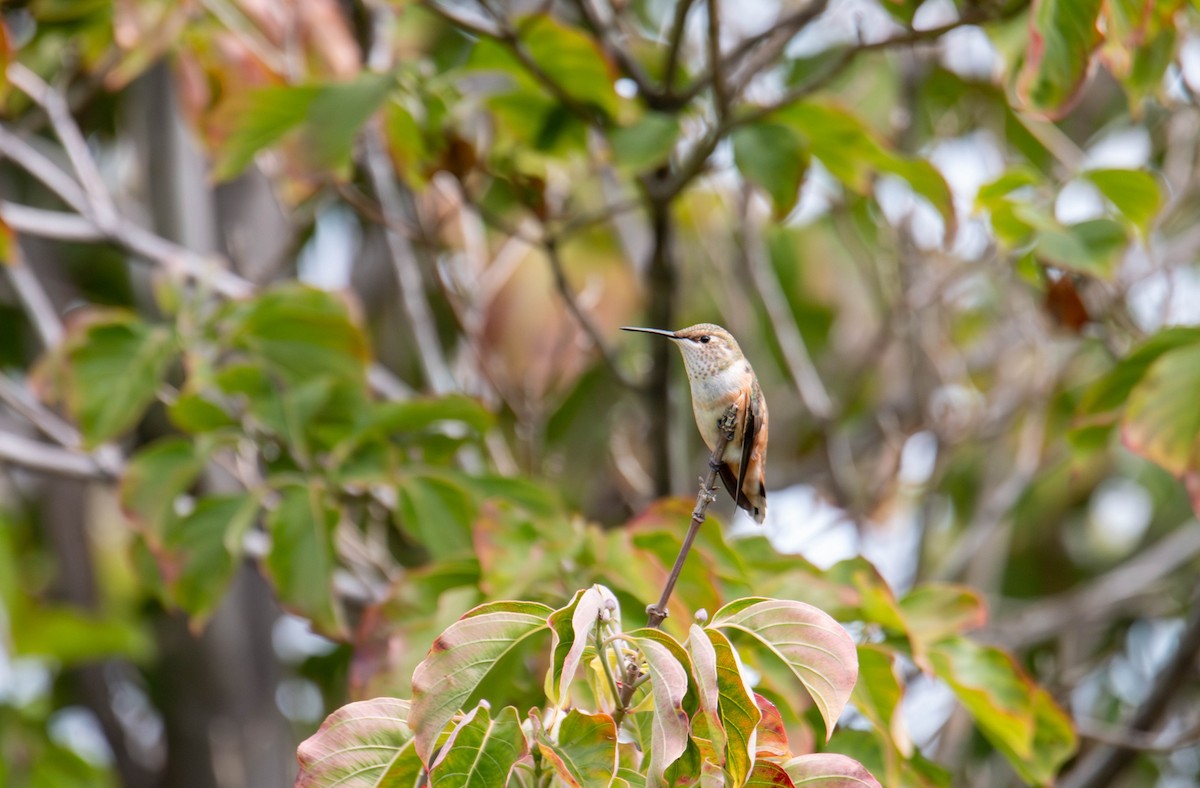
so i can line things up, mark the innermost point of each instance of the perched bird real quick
(721, 376)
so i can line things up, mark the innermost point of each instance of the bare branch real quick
(716, 70)
(408, 272)
(675, 43)
(1101, 765)
(40, 167)
(581, 316)
(52, 460)
(68, 133)
(59, 225)
(1101, 597)
(37, 305)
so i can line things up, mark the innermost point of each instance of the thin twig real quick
(657, 613)
(675, 43)
(1102, 765)
(37, 305)
(589, 327)
(408, 272)
(717, 79)
(69, 134)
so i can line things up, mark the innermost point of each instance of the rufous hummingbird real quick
(720, 376)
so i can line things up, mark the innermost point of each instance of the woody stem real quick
(656, 614)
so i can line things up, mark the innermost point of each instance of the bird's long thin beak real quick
(659, 331)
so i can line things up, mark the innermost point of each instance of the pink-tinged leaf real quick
(878, 694)
(584, 750)
(829, 770)
(814, 646)
(704, 670)
(1161, 420)
(772, 739)
(739, 713)
(571, 628)
(366, 744)
(934, 611)
(461, 657)
(667, 664)
(1062, 36)
(480, 750)
(768, 774)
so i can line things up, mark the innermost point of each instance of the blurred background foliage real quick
(312, 306)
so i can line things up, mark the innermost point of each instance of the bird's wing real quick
(749, 432)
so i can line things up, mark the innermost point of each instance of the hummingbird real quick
(720, 376)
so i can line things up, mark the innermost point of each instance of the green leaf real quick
(1135, 194)
(812, 645)
(934, 610)
(256, 119)
(480, 750)
(995, 693)
(571, 58)
(155, 477)
(584, 752)
(366, 744)
(829, 770)
(993, 193)
(1111, 392)
(1161, 421)
(1054, 741)
(330, 115)
(202, 551)
(768, 774)
(383, 420)
(1091, 247)
(773, 157)
(647, 143)
(853, 153)
(336, 116)
(572, 628)
(115, 364)
(878, 693)
(1062, 37)
(71, 636)
(302, 557)
(192, 412)
(300, 333)
(438, 512)
(667, 664)
(460, 659)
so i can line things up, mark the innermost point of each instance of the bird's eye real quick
(704, 339)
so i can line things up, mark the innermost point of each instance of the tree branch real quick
(678, 29)
(52, 460)
(408, 273)
(1102, 765)
(717, 72)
